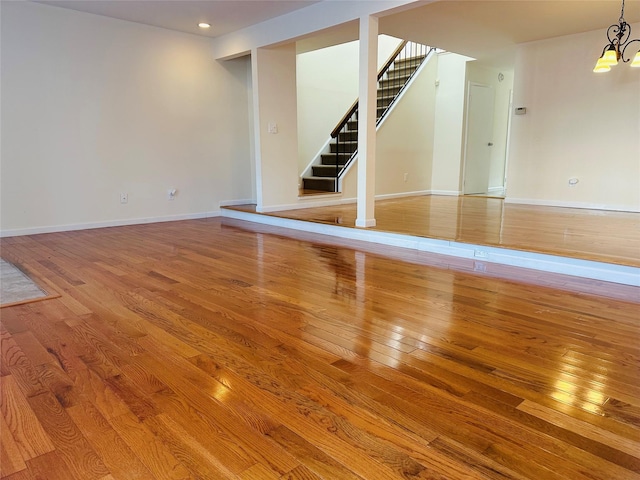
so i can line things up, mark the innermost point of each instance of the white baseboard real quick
(481, 254)
(496, 190)
(452, 193)
(231, 203)
(322, 196)
(110, 223)
(418, 193)
(559, 203)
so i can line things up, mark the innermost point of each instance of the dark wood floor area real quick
(604, 236)
(210, 349)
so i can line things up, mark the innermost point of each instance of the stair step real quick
(390, 86)
(319, 183)
(404, 67)
(408, 61)
(349, 135)
(398, 76)
(386, 89)
(326, 170)
(330, 158)
(349, 146)
(385, 101)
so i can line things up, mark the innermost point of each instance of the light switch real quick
(273, 127)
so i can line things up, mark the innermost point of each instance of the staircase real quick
(392, 79)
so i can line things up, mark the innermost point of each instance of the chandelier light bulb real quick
(602, 66)
(610, 57)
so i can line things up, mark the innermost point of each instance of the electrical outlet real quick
(171, 194)
(479, 267)
(406, 175)
(124, 198)
(272, 128)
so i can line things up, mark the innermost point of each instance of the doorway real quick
(479, 139)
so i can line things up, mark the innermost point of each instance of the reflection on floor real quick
(15, 286)
(597, 235)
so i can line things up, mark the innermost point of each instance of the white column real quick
(367, 121)
(255, 87)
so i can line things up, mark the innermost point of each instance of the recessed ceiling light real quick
(204, 25)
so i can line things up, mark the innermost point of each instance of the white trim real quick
(110, 223)
(307, 204)
(496, 190)
(230, 203)
(558, 203)
(315, 196)
(387, 196)
(453, 193)
(366, 223)
(607, 272)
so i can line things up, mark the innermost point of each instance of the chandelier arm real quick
(627, 60)
(606, 47)
(619, 34)
(612, 33)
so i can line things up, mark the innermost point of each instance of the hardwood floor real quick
(598, 235)
(217, 349)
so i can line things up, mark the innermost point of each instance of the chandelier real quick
(618, 36)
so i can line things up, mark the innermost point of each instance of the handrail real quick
(392, 59)
(343, 121)
(345, 118)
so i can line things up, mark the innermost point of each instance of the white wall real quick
(405, 140)
(449, 123)
(486, 75)
(327, 86)
(274, 100)
(578, 124)
(93, 106)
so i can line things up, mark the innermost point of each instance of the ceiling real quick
(489, 30)
(224, 16)
(484, 29)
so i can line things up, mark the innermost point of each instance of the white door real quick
(480, 107)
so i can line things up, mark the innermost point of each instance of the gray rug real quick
(15, 286)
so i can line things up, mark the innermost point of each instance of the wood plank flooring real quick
(604, 236)
(212, 349)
